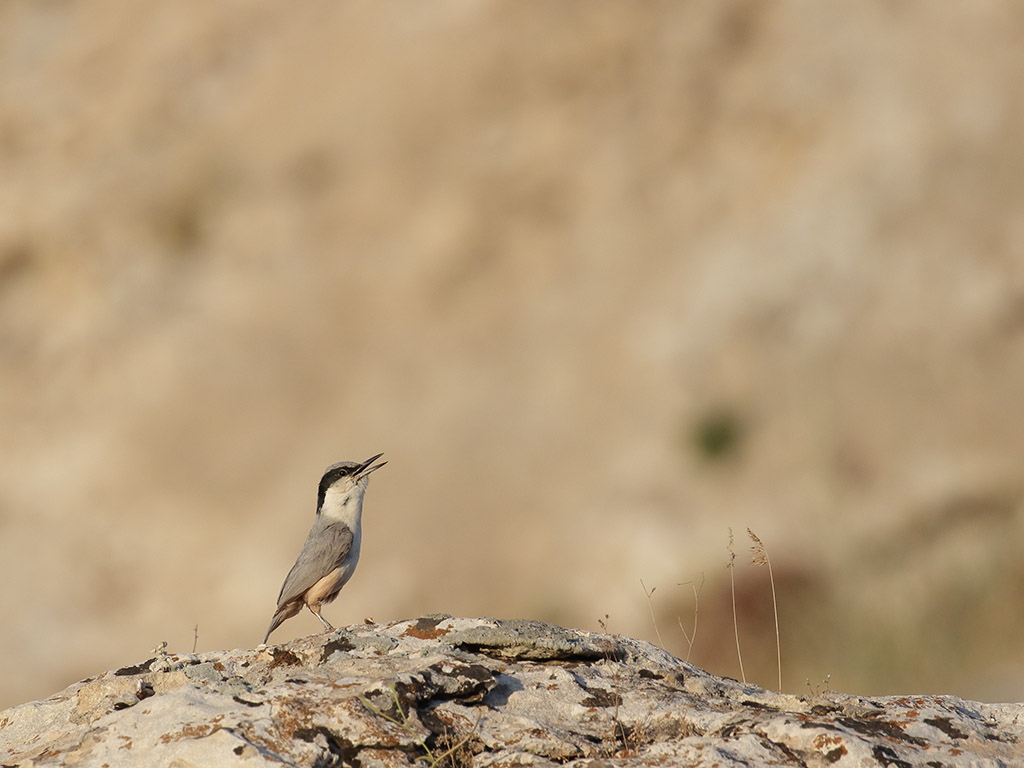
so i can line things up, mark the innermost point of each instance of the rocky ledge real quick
(483, 692)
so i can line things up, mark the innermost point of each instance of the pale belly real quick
(327, 588)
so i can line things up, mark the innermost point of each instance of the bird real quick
(331, 552)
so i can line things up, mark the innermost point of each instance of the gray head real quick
(346, 479)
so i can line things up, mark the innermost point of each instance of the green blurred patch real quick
(718, 434)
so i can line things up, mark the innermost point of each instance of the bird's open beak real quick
(365, 468)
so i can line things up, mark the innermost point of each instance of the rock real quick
(482, 692)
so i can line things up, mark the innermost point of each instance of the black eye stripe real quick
(331, 476)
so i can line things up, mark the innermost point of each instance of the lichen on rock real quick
(482, 692)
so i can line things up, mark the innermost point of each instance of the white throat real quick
(343, 503)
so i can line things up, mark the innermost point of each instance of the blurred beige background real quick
(602, 280)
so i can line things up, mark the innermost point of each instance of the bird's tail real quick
(283, 612)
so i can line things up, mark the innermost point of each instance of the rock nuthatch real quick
(331, 551)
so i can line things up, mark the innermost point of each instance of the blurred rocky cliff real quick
(601, 280)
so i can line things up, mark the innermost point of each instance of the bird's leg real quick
(316, 612)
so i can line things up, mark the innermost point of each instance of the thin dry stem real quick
(820, 690)
(611, 656)
(452, 751)
(691, 636)
(650, 605)
(735, 622)
(759, 556)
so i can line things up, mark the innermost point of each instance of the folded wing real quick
(326, 546)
